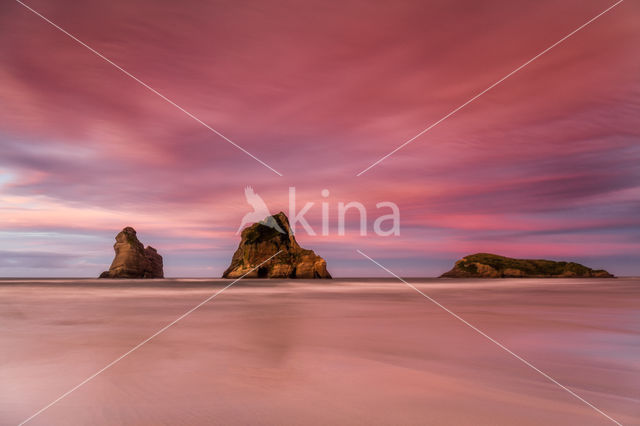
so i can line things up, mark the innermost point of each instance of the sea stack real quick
(485, 265)
(266, 238)
(132, 259)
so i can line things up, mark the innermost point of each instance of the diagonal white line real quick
(163, 329)
(500, 345)
(127, 73)
(491, 87)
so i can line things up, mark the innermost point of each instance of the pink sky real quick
(544, 165)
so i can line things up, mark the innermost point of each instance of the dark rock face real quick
(156, 267)
(260, 241)
(132, 259)
(485, 265)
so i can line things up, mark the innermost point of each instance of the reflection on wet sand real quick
(345, 352)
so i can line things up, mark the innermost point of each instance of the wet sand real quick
(349, 352)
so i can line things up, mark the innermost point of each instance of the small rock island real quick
(132, 259)
(264, 239)
(485, 265)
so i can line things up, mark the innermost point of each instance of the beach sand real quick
(348, 352)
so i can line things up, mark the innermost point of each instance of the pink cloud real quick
(319, 91)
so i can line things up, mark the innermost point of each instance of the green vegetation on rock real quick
(486, 265)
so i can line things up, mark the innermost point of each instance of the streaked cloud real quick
(546, 164)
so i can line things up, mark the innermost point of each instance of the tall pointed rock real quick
(264, 239)
(132, 259)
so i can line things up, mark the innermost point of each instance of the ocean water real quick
(345, 351)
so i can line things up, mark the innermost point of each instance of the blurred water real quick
(357, 351)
